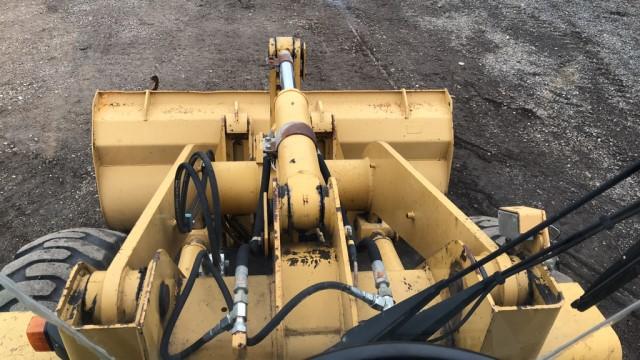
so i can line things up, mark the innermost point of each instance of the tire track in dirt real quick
(350, 20)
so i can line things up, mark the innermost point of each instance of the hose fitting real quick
(241, 291)
(379, 274)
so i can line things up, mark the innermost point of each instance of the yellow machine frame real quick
(389, 153)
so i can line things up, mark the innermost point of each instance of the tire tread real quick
(41, 268)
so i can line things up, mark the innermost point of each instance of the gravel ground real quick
(546, 95)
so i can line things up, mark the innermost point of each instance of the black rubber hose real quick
(258, 224)
(296, 300)
(210, 177)
(552, 251)
(352, 253)
(180, 191)
(400, 350)
(462, 321)
(217, 276)
(618, 274)
(326, 174)
(177, 309)
(242, 257)
(202, 341)
(403, 314)
(201, 259)
(422, 324)
(604, 223)
(243, 236)
(213, 233)
(180, 201)
(351, 247)
(372, 249)
(324, 169)
(632, 169)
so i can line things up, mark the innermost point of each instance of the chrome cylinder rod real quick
(286, 71)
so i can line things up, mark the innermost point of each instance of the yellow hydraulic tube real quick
(388, 253)
(297, 163)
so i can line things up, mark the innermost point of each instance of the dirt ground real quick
(546, 95)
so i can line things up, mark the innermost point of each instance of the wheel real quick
(490, 227)
(41, 268)
(401, 350)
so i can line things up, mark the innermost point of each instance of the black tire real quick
(490, 227)
(41, 268)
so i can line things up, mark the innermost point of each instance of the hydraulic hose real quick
(180, 190)
(613, 278)
(242, 260)
(214, 230)
(351, 245)
(400, 350)
(241, 291)
(324, 169)
(203, 340)
(632, 169)
(225, 323)
(217, 276)
(430, 320)
(402, 317)
(258, 224)
(210, 176)
(213, 225)
(177, 309)
(296, 300)
(242, 257)
(462, 321)
(605, 222)
(180, 203)
(238, 231)
(378, 271)
(372, 249)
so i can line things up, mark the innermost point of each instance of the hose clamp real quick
(294, 128)
(269, 143)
